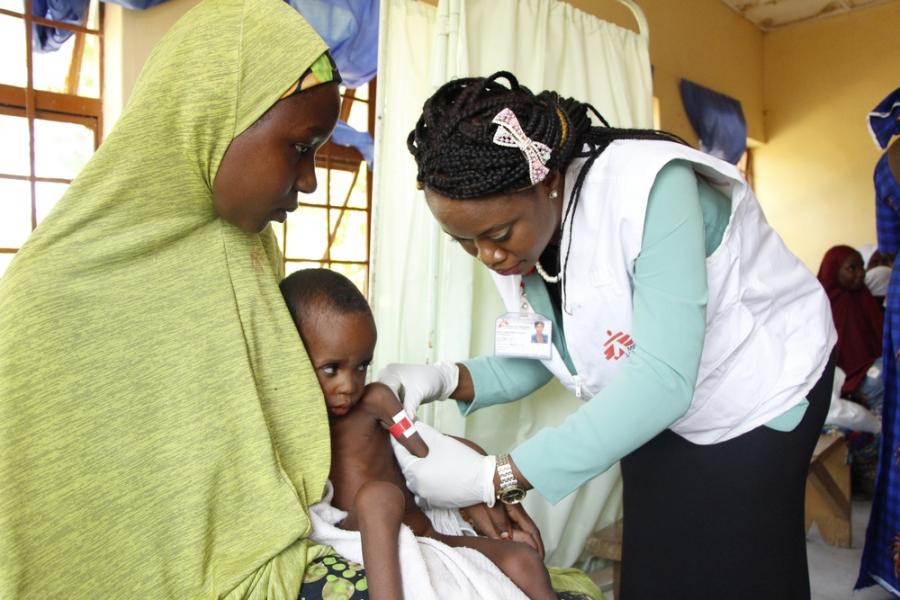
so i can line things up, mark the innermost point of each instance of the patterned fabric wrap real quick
(336, 578)
(881, 555)
(162, 432)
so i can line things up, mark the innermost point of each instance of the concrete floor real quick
(833, 570)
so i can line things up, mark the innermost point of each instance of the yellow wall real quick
(814, 175)
(129, 36)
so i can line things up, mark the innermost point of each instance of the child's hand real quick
(504, 522)
(492, 522)
(524, 529)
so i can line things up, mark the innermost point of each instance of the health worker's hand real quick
(451, 476)
(418, 384)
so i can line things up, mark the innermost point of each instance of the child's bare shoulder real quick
(379, 401)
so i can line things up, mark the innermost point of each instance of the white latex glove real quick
(417, 384)
(451, 476)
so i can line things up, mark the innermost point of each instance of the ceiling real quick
(772, 14)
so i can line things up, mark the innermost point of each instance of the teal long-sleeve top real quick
(684, 223)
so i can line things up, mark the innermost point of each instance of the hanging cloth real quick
(162, 430)
(717, 119)
(50, 39)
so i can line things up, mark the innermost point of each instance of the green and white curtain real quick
(432, 301)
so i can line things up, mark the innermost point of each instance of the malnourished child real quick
(336, 326)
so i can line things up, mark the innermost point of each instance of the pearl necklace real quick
(544, 275)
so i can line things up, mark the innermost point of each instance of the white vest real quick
(769, 330)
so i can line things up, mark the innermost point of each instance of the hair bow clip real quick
(511, 135)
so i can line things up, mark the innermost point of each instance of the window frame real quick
(34, 104)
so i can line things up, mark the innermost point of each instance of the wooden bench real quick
(607, 543)
(827, 504)
(828, 490)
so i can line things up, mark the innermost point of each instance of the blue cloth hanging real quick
(51, 39)
(717, 119)
(350, 28)
(345, 135)
(884, 120)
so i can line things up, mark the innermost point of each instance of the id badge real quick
(523, 335)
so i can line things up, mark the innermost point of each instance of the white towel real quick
(431, 570)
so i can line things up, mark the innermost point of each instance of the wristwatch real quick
(510, 491)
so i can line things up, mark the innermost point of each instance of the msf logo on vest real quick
(617, 345)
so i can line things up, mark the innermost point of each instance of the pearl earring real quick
(553, 195)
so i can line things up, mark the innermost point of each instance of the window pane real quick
(340, 186)
(351, 241)
(47, 195)
(358, 197)
(93, 21)
(13, 69)
(307, 231)
(5, 259)
(15, 212)
(61, 149)
(89, 81)
(355, 273)
(359, 116)
(290, 267)
(51, 69)
(14, 148)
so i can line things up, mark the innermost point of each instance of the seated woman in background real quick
(878, 274)
(859, 318)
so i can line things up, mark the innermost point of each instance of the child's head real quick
(336, 326)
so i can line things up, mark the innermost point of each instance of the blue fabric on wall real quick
(717, 119)
(350, 28)
(344, 135)
(884, 120)
(51, 39)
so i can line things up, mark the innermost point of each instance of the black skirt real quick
(722, 521)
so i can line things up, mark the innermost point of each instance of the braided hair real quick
(456, 156)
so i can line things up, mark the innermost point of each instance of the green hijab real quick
(161, 429)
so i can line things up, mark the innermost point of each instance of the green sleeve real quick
(655, 385)
(500, 379)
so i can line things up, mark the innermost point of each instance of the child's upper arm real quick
(379, 401)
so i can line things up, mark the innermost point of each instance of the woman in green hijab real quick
(161, 431)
